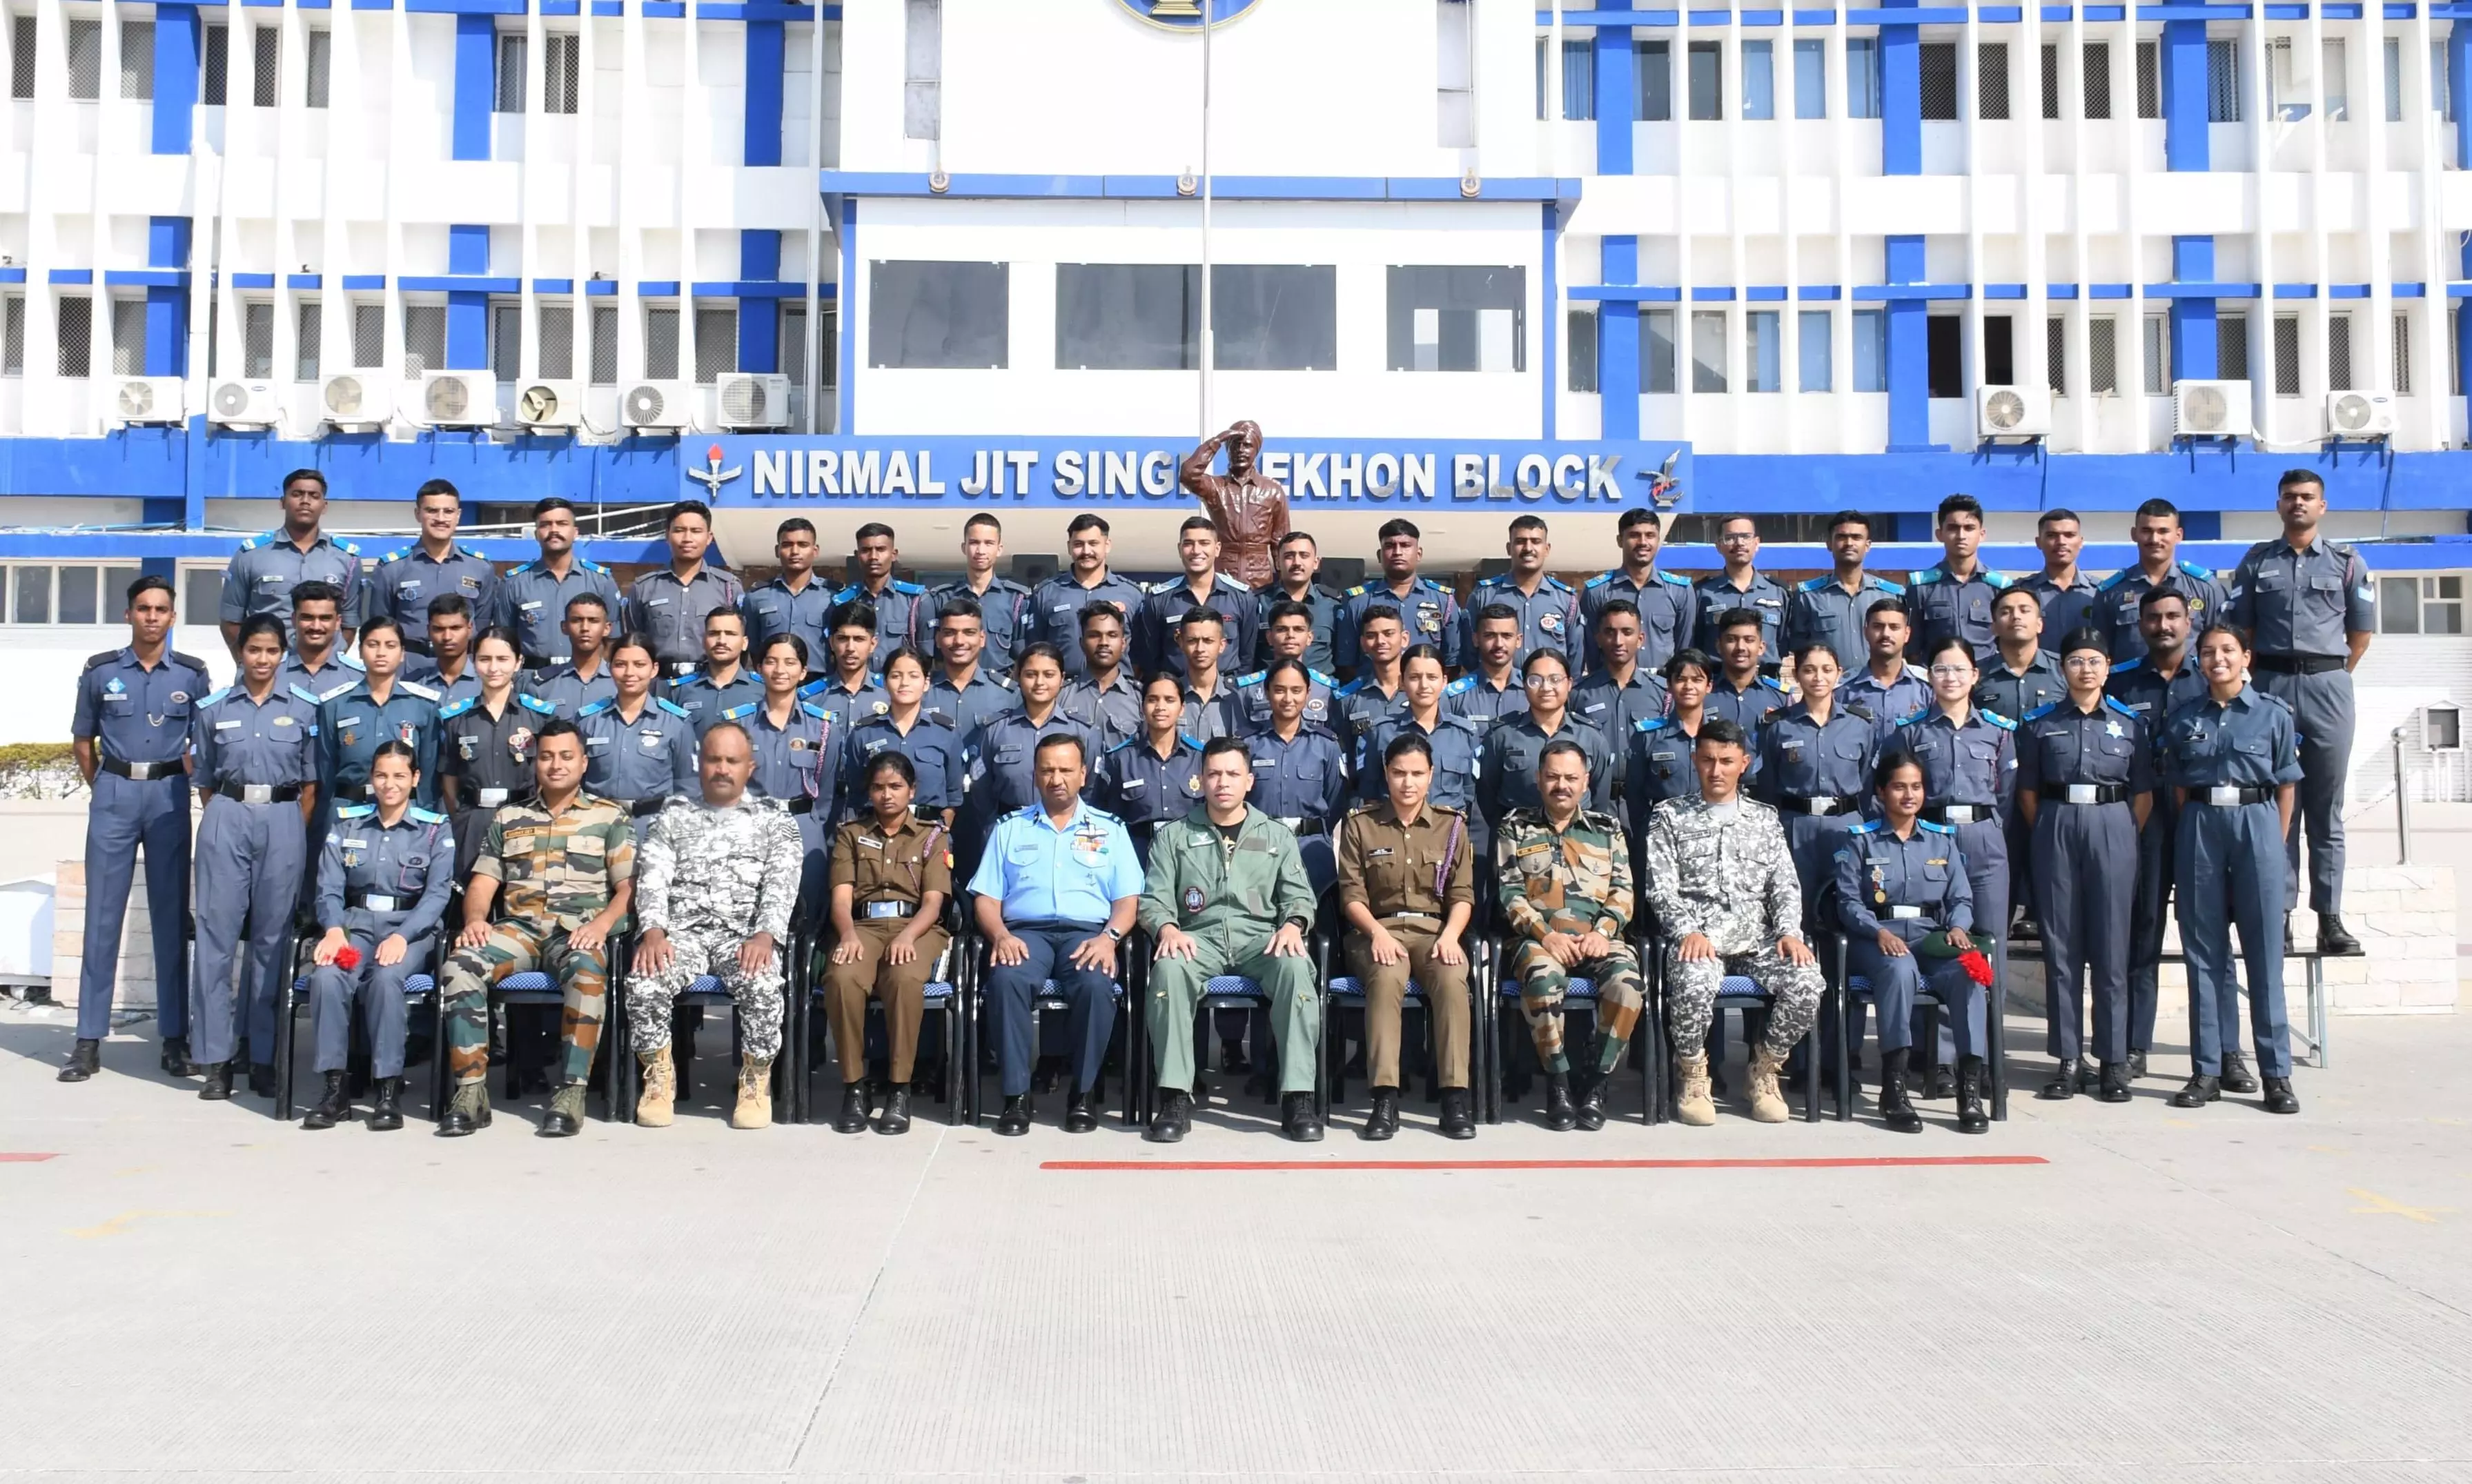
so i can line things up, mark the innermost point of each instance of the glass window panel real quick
(1457, 318)
(2394, 59)
(12, 335)
(1708, 350)
(923, 49)
(1810, 78)
(1578, 80)
(2339, 353)
(1817, 329)
(1267, 316)
(2102, 355)
(1759, 80)
(1862, 78)
(1652, 69)
(794, 342)
(1870, 349)
(2335, 79)
(2403, 355)
(1128, 317)
(939, 314)
(113, 599)
(201, 592)
(1656, 351)
(2399, 605)
(1707, 80)
(31, 588)
(1764, 359)
(76, 593)
(1579, 349)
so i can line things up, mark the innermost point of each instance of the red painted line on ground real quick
(25, 1159)
(1883, 1163)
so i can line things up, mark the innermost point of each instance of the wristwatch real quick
(1114, 934)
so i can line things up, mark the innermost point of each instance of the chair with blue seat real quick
(946, 995)
(1847, 1007)
(704, 991)
(1734, 992)
(1578, 995)
(1344, 990)
(1131, 954)
(292, 1002)
(1232, 992)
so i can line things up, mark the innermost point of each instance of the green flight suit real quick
(1231, 901)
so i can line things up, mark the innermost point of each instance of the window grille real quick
(425, 340)
(2150, 80)
(138, 60)
(716, 344)
(308, 342)
(2051, 80)
(321, 68)
(2056, 353)
(562, 73)
(74, 319)
(1940, 80)
(369, 336)
(21, 56)
(506, 341)
(127, 337)
(2339, 353)
(2231, 347)
(558, 340)
(604, 346)
(12, 335)
(661, 344)
(1991, 79)
(266, 81)
(2096, 67)
(2223, 82)
(218, 67)
(2102, 356)
(2287, 355)
(2403, 355)
(256, 340)
(510, 73)
(85, 60)
(2159, 355)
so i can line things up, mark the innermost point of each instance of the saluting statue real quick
(1249, 507)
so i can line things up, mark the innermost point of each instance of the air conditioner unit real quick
(549, 404)
(2211, 409)
(149, 399)
(356, 399)
(656, 404)
(2013, 412)
(2359, 414)
(247, 403)
(752, 400)
(459, 399)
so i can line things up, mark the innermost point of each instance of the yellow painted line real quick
(115, 1225)
(2378, 1205)
(2181, 1123)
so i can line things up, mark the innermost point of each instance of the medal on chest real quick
(406, 731)
(519, 741)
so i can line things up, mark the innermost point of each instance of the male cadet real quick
(1564, 881)
(1887, 686)
(565, 688)
(1548, 609)
(1407, 886)
(1955, 597)
(1005, 607)
(667, 606)
(2021, 675)
(316, 668)
(966, 690)
(1666, 604)
(1619, 692)
(1426, 607)
(797, 602)
(2155, 684)
(2308, 602)
(1226, 894)
(713, 891)
(1739, 693)
(902, 611)
(1375, 692)
(1206, 686)
(1058, 602)
(1107, 698)
(854, 692)
(1299, 559)
(2156, 528)
(1287, 634)
(1055, 892)
(562, 864)
(1736, 910)
(1830, 610)
(1493, 690)
(130, 734)
(409, 578)
(268, 568)
(447, 669)
(723, 682)
(533, 598)
(2069, 598)
(1203, 586)
(1741, 587)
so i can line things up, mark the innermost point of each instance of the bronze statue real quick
(1249, 506)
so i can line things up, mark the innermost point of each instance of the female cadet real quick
(639, 749)
(383, 880)
(792, 741)
(2085, 785)
(1457, 742)
(1299, 771)
(382, 708)
(1156, 777)
(2233, 763)
(924, 737)
(256, 769)
(1657, 765)
(1813, 765)
(1507, 779)
(892, 872)
(1901, 879)
(484, 745)
(1001, 759)
(1969, 759)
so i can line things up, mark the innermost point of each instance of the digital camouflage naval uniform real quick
(1230, 895)
(557, 873)
(1723, 872)
(712, 877)
(1573, 879)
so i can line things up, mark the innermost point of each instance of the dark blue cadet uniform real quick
(847, 707)
(706, 702)
(252, 757)
(408, 579)
(796, 764)
(671, 613)
(1914, 887)
(334, 676)
(1006, 611)
(2232, 758)
(1000, 763)
(2146, 690)
(1205, 712)
(1718, 597)
(266, 567)
(1248, 704)
(1428, 611)
(2012, 694)
(2300, 609)
(138, 719)
(1057, 605)
(1614, 708)
(377, 880)
(639, 761)
(2066, 610)
(1943, 604)
(1549, 618)
(775, 608)
(1749, 707)
(1458, 761)
(1821, 611)
(1361, 706)
(421, 669)
(531, 600)
(968, 707)
(1114, 712)
(932, 746)
(1161, 617)
(566, 690)
(1484, 703)
(1301, 782)
(1669, 611)
(1969, 780)
(2119, 597)
(903, 616)
(2084, 768)
(1911, 692)
(352, 727)
(1506, 775)
(1817, 778)
(490, 759)
(1145, 790)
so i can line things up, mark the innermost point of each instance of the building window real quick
(1861, 77)
(1991, 79)
(716, 341)
(2223, 82)
(1817, 329)
(217, 75)
(201, 592)
(922, 102)
(939, 316)
(1759, 80)
(12, 335)
(2339, 353)
(21, 56)
(604, 345)
(66, 594)
(2287, 355)
(1128, 317)
(2335, 79)
(1274, 317)
(1810, 78)
(127, 337)
(309, 330)
(660, 343)
(506, 341)
(425, 340)
(1707, 80)
(2231, 347)
(137, 60)
(265, 82)
(1999, 351)
(2051, 80)
(2158, 359)
(321, 68)
(1940, 80)
(1653, 71)
(1763, 352)
(1656, 353)
(1708, 350)
(1579, 349)
(2420, 606)
(2394, 70)
(2283, 100)
(561, 72)
(2055, 354)
(510, 73)
(790, 336)
(557, 341)
(369, 337)
(2102, 356)
(85, 60)
(2097, 78)
(1579, 79)
(256, 340)
(1943, 356)
(1454, 75)
(74, 319)
(1870, 350)
(1458, 319)
(2150, 80)
(2403, 355)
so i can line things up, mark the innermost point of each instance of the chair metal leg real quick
(438, 1051)
(1995, 1019)
(285, 1008)
(1847, 1007)
(1811, 1061)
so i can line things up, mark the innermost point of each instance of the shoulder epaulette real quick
(267, 538)
(349, 549)
(2046, 706)
(1993, 578)
(1352, 687)
(1924, 578)
(190, 660)
(742, 709)
(2125, 666)
(531, 702)
(1859, 710)
(458, 708)
(424, 816)
(1653, 723)
(595, 708)
(1098, 813)
(105, 658)
(2271, 697)
(1326, 682)
(301, 691)
(425, 693)
(1122, 745)
(2113, 580)
(1663, 575)
(1879, 584)
(1194, 742)
(522, 568)
(2115, 705)
(673, 708)
(1867, 827)
(1255, 678)
(1459, 687)
(908, 589)
(589, 566)
(397, 554)
(1937, 829)
(1003, 681)
(355, 811)
(1772, 682)
(2195, 570)
(1920, 712)
(349, 663)
(678, 681)
(1498, 579)
(218, 695)
(1599, 819)
(1996, 719)
(1811, 584)
(1360, 590)
(1168, 585)
(809, 707)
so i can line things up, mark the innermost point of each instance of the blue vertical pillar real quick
(476, 76)
(467, 313)
(167, 354)
(177, 39)
(2459, 90)
(2194, 340)
(759, 315)
(1617, 322)
(2185, 147)
(764, 43)
(1901, 96)
(1901, 153)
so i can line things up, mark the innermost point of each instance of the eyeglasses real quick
(1951, 671)
(2087, 662)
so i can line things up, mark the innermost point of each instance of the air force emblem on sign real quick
(1187, 15)
(712, 476)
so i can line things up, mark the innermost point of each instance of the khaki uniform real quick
(889, 873)
(1409, 874)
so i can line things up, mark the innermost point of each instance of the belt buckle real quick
(1291, 821)
(1817, 806)
(877, 910)
(2223, 798)
(377, 904)
(257, 793)
(2082, 794)
(491, 798)
(1905, 913)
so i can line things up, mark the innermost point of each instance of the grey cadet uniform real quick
(671, 613)
(1001, 765)
(2119, 596)
(1912, 887)
(1718, 597)
(2144, 690)
(968, 707)
(139, 719)
(1249, 708)
(903, 615)
(1161, 618)
(2232, 758)
(1361, 706)
(462, 687)
(934, 749)
(797, 764)
(1821, 611)
(1657, 767)
(2069, 609)
(1549, 618)
(335, 677)
(1614, 708)
(1969, 780)
(1507, 776)
(408, 579)
(1942, 605)
(775, 608)
(1324, 605)
(266, 567)
(1669, 611)
(2084, 768)
(252, 758)
(1428, 611)
(1480, 702)
(2300, 609)
(705, 702)
(1817, 779)
(638, 761)
(1911, 692)
(377, 880)
(1205, 714)
(1748, 708)
(1458, 760)
(1114, 712)
(2009, 693)
(1146, 791)
(1057, 605)
(566, 690)
(1006, 611)
(531, 600)
(1301, 782)
(847, 707)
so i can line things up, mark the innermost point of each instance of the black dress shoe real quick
(1970, 1116)
(2063, 1085)
(1014, 1120)
(1895, 1109)
(2236, 1077)
(176, 1057)
(1591, 1111)
(386, 1115)
(1384, 1121)
(1940, 1083)
(2136, 1065)
(1175, 1115)
(2200, 1090)
(896, 1118)
(2279, 1097)
(2334, 940)
(2027, 928)
(218, 1088)
(1459, 1120)
(261, 1078)
(86, 1059)
(332, 1109)
(1298, 1119)
(2114, 1086)
(853, 1114)
(1079, 1118)
(1559, 1115)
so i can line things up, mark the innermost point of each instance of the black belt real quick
(378, 902)
(1939, 813)
(1303, 825)
(140, 772)
(2226, 796)
(355, 792)
(1818, 804)
(2297, 663)
(879, 912)
(543, 660)
(273, 794)
(645, 808)
(800, 806)
(2084, 792)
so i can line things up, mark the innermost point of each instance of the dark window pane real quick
(1579, 333)
(77, 595)
(1128, 317)
(1652, 62)
(1274, 317)
(1458, 319)
(1945, 347)
(937, 315)
(1999, 351)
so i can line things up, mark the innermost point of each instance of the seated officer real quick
(1056, 889)
(1407, 885)
(1226, 893)
(891, 874)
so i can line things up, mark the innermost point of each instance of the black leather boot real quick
(1940, 1083)
(261, 1078)
(1459, 1119)
(1591, 1111)
(2236, 1076)
(2114, 1087)
(2136, 1065)
(853, 1114)
(1970, 1116)
(1014, 1120)
(2063, 1085)
(565, 1117)
(218, 1088)
(1384, 1121)
(1079, 1118)
(2279, 1097)
(2200, 1090)
(2333, 940)
(1896, 1110)
(1175, 1115)
(386, 1115)
(86, 1059)
(1298, 1119)
(176, 1057)
(1559, 1115)
(896, 1118)
(332, 1109)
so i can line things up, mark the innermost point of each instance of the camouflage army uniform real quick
(712, 878)
(1727, 877)
(557, 873)
(1573, 879)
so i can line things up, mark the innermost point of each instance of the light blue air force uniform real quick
(139, 719)
(2232, 758)
(254, 757)
(1912, 887)
(377, 880)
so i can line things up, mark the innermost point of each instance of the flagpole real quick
(1208, 426)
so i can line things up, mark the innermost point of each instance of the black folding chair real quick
(945, 995)
(1344, 990)
(1734, 992)
(291, 1001)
